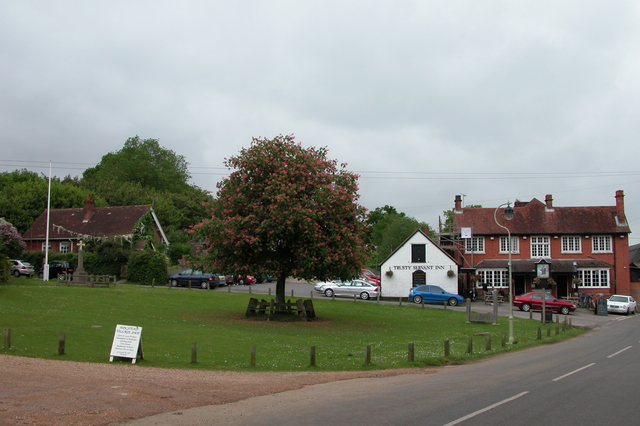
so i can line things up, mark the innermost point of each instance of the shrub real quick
(176, 251)
(5, 269)
(145, 265)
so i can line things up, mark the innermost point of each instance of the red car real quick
(533, 300)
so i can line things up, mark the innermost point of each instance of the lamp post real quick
(508, 215)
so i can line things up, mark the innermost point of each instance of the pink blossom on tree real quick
(285, 211)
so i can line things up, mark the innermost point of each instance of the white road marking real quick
(620, 351)
(484, 410)
(573, 372)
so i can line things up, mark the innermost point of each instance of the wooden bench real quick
(301, 307)
(488, 299)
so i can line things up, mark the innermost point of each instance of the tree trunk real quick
(280, 287)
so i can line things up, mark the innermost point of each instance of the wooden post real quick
(539, 333)
(61, 343)
(378, 298)
(355, 299)
(530, 314)
(194, 353)
(422, 303)
(189, 284)
(7, 338)
(153, 283)
(311, 294)
(411, 352)
(470, 345)
(269, 291)
(487, 341)
(249, 289)
(548, 329)
(291, 292)
(312, 356)
(229, 288)
(447, 348)
(557, 328)
(400, 301)
(504, 339)
(445, 305)
(367, 355)
(253, 356)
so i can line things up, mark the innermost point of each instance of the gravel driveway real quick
(49, 392)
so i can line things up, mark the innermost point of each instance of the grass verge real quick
(172, 319)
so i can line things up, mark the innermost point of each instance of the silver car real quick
(19, 267)
(320, 286)
(360, 288)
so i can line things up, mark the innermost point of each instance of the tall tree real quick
(286, 211)
(142, 161)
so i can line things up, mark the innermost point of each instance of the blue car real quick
(433, 294)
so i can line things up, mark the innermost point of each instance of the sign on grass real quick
(126, 342)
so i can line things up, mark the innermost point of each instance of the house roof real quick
(534, 217)
(71, 223)
(634, 255)
(411, 236)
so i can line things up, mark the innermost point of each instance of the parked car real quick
(197, 278)
(20, 267)
(57, 268)
(364, 289)
(267, 278)
(533, 300)
(320, 286)
(620, 304)
(369, 275)
(433, 294)
(244, 280)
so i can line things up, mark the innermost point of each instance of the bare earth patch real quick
(49, 392)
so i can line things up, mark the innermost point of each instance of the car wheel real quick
(627, 313)
(453, 301)
(328, 292)
(16, 274)
(174, 283)
(417, 299)
(260, 280)
(40, 275)
(525, 307)
(364, 295)
(240, 282)
(564, 310)
(203, 285)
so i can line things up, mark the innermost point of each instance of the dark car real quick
(197, 278)
(433, 294)
(533, 300)
(57, 268)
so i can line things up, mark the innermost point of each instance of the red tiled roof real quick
(104, 222)
(532, 219)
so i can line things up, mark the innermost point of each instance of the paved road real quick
(587, 380)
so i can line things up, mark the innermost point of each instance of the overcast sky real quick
(496, 100)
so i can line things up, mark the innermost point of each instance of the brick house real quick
(588, 247)
(68, 226)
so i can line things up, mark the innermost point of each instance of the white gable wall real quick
(435, 267)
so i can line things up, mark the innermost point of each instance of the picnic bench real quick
(301, 307)
(488, 299)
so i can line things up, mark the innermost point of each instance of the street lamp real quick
(508, 214)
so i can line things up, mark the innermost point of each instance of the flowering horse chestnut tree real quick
(285, 211)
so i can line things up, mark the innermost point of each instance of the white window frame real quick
(65, 246)
(571, 244)
(44, 246)
(474, 245)
(540, 246)
(515, 245)
(594, 278)
(493, 277)
(601, 244)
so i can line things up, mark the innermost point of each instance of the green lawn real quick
(172, 319)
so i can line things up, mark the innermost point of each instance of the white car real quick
(620, 304)
(364, 289)
(319, 287)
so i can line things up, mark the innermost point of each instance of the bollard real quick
(422, 303)
(7, 338)
(504, 339)
(445, 305)
(539, 333)
(400, 301)
(189, 284)
(253, 356)
(311, 294)
(487, 341)
(530, 314)
(61, 343)
(410, 352)
(249, 289)
(312, 356)
(333, 296)
(446, 348)
(470, 345)
(291, 292)
(367, 355)
(355, 298)
(548, 329)
(153, 283)
(269, 291)
(557, 328)
(378, 298)
(194, 353)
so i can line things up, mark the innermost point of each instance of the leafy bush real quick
(5, 269)
(176, 251)
(145, 265)
(107, 258)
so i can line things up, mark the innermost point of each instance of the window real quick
(594, 277)
(64, 247)
(540, 247)
(474, 245)
(601, 244)
(44, 247)
(493, 277)
(419, 278)
(504, 242)
(571, 244)
(418, 253)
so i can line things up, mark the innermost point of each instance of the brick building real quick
(587, 247)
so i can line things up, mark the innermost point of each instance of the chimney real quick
(458, 204)
(620, 219)
(89, 209)
(548, 200)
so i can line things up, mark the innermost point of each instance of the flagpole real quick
(45, 274)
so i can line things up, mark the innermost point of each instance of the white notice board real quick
(126, 342)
